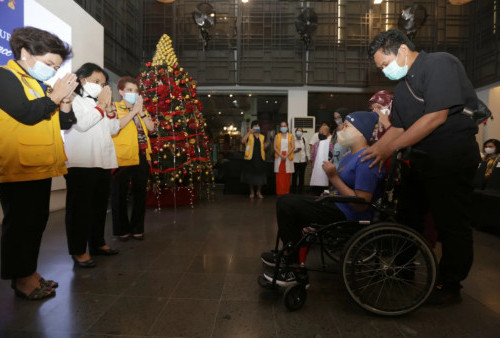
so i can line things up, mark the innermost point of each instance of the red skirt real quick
(283, 179)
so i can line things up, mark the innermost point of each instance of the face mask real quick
(41, 71)
(131, 97)
(385, 111)
(489, 150)
(338, 121)
(283, 129)
(321, 137)
(393, 71)
(256, 129)
(346, 138)
(93, 89)
(298, 134)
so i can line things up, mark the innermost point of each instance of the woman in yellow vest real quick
(133, 151)
(284, 146)
(31, 151)
(254, 170)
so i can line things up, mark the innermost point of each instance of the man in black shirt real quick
(428, 114)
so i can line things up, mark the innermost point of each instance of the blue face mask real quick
(299, 134)
(41, 71)
(131, 97)
(256, 129)
(393, 71)
(283, 129)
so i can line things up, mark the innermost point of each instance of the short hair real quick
(37, 42)
(495, 142)
(85, 71)
(124, 80)
(389, 42)
(254, 123)
(284, 123)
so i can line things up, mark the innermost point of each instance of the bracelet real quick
(100, 111)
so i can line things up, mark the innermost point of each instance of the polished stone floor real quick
(195, 276)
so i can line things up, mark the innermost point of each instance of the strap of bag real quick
(418, 98)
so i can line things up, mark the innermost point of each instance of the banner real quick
(11, 16)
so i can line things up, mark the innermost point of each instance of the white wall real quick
(491, 96)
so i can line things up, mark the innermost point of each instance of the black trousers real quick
(86, 204)
(137, 176)
(300, 170)
(449, 199)
(25, 207)
(295, 212)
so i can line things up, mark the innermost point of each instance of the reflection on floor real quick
(195, 275)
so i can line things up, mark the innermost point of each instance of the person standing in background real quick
(91, 156)
(300, 158)
(133, 150)
(254, 169)
(381, 103)
(31, 152)
(284, 146)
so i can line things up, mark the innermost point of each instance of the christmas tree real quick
(181, 149)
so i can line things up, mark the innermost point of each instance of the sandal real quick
(48, 283)
(260, 196)
(36, 294)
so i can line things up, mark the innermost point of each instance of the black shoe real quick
(103, 252)
(270, 258)
(138, 237)
(288, 277)
(86, 264)
(444, 295)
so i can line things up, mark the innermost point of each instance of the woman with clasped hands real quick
(91, 156)
(31, 152)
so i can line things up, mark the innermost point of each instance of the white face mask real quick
(92, 89)
(346, 138)
(385, 111)
(489, 150)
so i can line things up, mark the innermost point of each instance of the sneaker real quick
(288, 278)
(443, 295)
(270, 258)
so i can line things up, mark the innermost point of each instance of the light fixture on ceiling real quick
(244, 1)
(377, 2)
(209, 95)
(250, 95)
(459, 2)
(165, 1)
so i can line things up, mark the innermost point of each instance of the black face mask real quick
(321, 137)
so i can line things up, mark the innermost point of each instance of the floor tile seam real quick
(158, 316)
(91, 324)
(212, 333)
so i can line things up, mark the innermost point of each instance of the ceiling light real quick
(220, 113)
(209, 95)
(241, 113)
(249, 94)
(377, 2)
(244, 1)
(275, 101)
(230, 95)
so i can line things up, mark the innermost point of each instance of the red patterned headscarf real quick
(383, 97)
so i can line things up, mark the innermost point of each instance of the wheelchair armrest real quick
(344, 199)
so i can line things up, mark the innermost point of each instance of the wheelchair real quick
(387, 268)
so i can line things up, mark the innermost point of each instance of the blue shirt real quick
(358, 176)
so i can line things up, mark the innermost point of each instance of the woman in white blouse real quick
(284, 146)
(91, 156)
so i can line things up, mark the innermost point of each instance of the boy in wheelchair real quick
(352, 178)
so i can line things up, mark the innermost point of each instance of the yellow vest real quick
(249, 147)
(290, 153)
(126, 142)
(29, 153)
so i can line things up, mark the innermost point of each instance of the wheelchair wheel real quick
(389, 269)
(295, 297)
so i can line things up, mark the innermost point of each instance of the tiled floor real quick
(195, 275)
